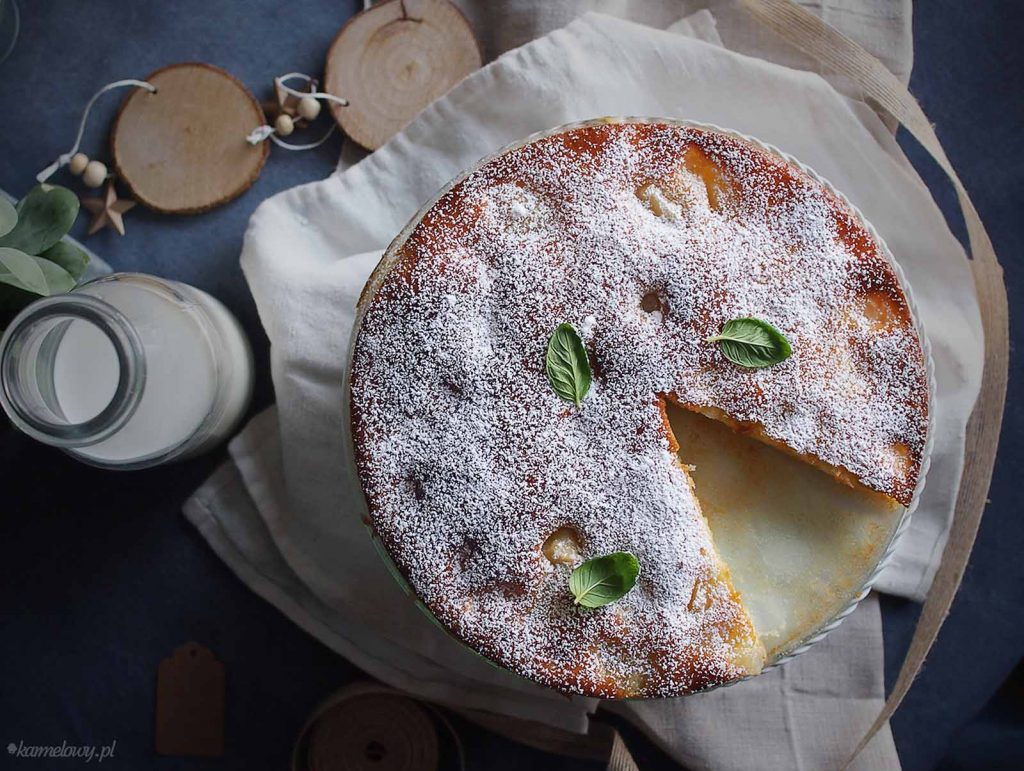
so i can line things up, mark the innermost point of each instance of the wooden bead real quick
(308, 108)
(284, 125)
(95, 174)
(78, 163)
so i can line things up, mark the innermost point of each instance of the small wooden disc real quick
(182, 150)
(373, 732)
(190, 703)
(392, 60)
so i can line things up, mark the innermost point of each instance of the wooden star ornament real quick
(107, 211)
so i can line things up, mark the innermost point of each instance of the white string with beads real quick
(257, 135)
(262, 133)
(65, 158)
(315, 94)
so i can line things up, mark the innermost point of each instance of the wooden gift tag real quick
(190, 703)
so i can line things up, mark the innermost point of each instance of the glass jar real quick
(127, 371)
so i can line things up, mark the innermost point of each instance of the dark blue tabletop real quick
(102, 576)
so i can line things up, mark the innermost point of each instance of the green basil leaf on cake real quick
(752, 343)
(33, 274)
(567, 366)
(45, 215)
(603, 580)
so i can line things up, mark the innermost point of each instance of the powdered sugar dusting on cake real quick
(633, 234)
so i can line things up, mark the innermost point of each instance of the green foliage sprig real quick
(34, 260)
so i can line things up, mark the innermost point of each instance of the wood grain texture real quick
(369, 727)
(394, 59)
(183, 150)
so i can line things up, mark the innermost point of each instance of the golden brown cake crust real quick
(646, 237)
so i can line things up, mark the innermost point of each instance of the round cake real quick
(515, 357)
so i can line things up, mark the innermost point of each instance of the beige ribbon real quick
(881, 89)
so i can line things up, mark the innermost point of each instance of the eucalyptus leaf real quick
(45, 215)
(8, 216)
(752, 343)
(70, 257)
(33, 274)
(567, 365)
(603, 580)
(58, 280)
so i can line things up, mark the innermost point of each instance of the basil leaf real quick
(70, 257)
(33, 274)
(8, 216)
(567, 365)
(45, 215)
(752, 343)
(602, 580)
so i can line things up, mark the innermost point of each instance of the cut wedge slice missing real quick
(799, 543)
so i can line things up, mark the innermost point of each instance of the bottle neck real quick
(29, 389)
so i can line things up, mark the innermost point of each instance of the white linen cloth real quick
(285, 511)
(882, 27)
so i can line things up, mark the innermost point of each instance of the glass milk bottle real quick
(127, 371)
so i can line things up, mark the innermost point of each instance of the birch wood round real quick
(369, 727)
(182, 150)
(392, 60)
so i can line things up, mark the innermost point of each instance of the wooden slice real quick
(182, 150)
(373, 732)
(394, 59)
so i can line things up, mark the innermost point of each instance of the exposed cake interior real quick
(486, 488)
(799, 544)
